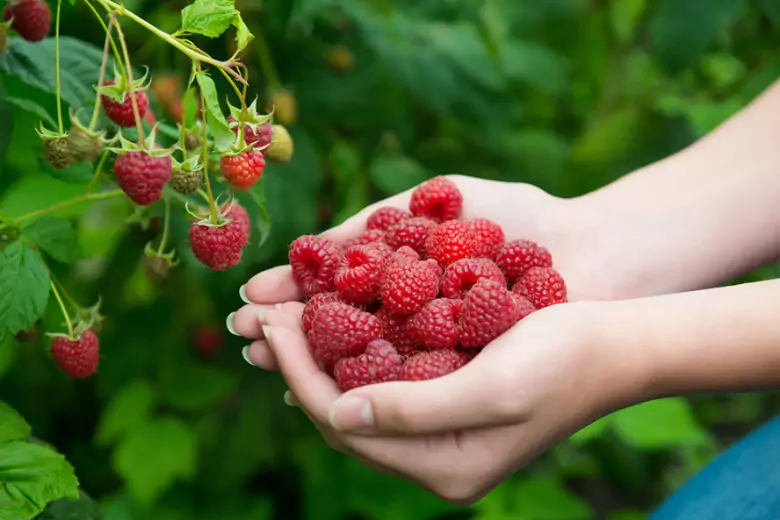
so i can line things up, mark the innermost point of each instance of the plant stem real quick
(63, 309)
(103, 66)
(131, 88)
(117, 55)
(166, 227)
(72, 202)
(212, 205)
(98, 172)
(57, 66)
(64, 292)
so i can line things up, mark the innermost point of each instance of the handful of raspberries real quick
(419, 293)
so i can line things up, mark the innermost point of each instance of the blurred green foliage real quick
(565, 94)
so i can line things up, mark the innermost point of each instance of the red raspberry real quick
(142, 176)
(387, 217)
(436, 325)
(208, 342)
(243, 170)
(490, 237)
(341, 330)
(79, 359)
(404, 254)
(239, 214)
(432, 364)
(121, 113)
(218, 247)
(259, 139)
(451, 241)
(411, 232)
(314, 303)
(460, 276)
(32, 18)
(518, 256)
(543, 286)
(394, 331)
(379, 363)
(407, 286)
(438, 199)
(368, 237)
(357, 276)
(489, 310)
(314, 261)
(524, 306)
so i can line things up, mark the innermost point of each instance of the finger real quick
(259, 354)
(272, 286)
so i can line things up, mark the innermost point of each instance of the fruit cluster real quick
(420, 292)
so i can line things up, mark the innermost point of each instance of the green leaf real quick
(539, 498)
(663, 423)
(170, 444)
(24, 287)
(263, 219)
(194, 387)
(83, 508)
(625, 17)
(12, 425)
(80, 173)
(534, 65)
(130, 408)
(393, 174)
(54, 235)
(32, 107)
(212, 18)
(590, 432)
(223, 136)
(32, 475)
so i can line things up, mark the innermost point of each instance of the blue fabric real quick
(743, 483)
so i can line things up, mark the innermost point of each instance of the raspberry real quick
(57, 152)
(432, 364)
(218, 247)
(357, 276)
(368, 237)
(543, 286)
(404, 254)
(411, 232)
(259, 138)
(208, 342)
(489, 310)
(438, 199)
(490, 237)
(407, 286)
(237, 213)
(80, 358)
(451, 241)
(339, 329)
(121, 112)
(243, 170)
(460, 276)
(85, 146)
(524, 306)
(281, 149)
(435, 326)
(142, 176)
(387, 217)
(314, 261)
(518, 256)
(394, 331)
(186, 182)
(379, 363)
(314, 303)
(32, 18)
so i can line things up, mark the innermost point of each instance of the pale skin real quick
(639, 257)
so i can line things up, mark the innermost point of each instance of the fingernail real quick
(245, 353)
(267, 333)
(288, 399)
(261, 317)
(278, 307)
(229, 324)
(351, 413)
(242, 294)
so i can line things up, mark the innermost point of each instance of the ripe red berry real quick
(394, 331)
(121, 112)
(542, 286)
(432, 364)
(32, 18)
(80, 358)
(404, 254)
(208, 341)
(489, 310)
(490, 237)
(451, 241)
(142, 176)
(314, 303)
(524, 306)
(386, 217)
(436, 325)
(259, 138)
(341, 330)
(460, 276)
(378, 364)
(368, 237)
(438, 199)
(407, 286)
(218, 247)
(411, 232)
(314, 261)
(357, 276)
(239, 214)
(519, 256)
(242, 171)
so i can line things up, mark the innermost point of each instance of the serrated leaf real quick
(263, 219)
(130, 408)
(32, 475)
(194, 387)
(170, 444)
(211, 18)
(32, 107)
(223, 136)
(12, 425)
(658, 424)
(24, 287)
(55, 236)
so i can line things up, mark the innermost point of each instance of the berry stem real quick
(72, 202)
(64, 292)
(117, 55)
(63, 309)
(98, 172)
(166, 227)
(57, 66)
(205, 150)
(130, 87)
(103, 65)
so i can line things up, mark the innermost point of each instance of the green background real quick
(565, 94)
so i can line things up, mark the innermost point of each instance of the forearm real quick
(698, 218)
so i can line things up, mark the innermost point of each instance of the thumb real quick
(470, 397)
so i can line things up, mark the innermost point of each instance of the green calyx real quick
(149, 147)
(121, 86)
